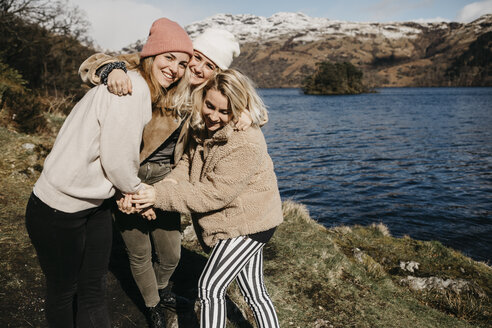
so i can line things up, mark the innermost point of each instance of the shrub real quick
(10, 79)
(23, 110)
(19, 106)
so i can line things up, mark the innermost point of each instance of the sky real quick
(118, 23)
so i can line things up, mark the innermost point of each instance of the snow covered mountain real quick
(281, 50)
(250, 28)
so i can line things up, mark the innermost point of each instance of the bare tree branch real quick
(56, 16)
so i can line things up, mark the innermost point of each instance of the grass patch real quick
(471, 302)
(317, 277)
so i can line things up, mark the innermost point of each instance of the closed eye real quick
(209, 105)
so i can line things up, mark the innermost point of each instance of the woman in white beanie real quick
(164, 140)
(213, 49)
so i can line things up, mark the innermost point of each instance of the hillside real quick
(317, 277)
(281, 50)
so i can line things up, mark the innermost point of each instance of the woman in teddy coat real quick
(226, 180)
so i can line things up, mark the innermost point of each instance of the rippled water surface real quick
(417, 159)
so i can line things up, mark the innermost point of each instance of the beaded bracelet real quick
(109, 68)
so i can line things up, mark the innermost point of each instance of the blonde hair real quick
(176, 97)
(240, 93)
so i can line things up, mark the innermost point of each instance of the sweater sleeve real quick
(218, 188)
(88, 69)
(122, 123)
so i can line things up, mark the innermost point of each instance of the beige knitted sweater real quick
(227, 183)
(97, 149)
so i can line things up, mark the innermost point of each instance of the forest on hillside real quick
(42, 43)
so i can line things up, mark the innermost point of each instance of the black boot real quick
(156, 317)
(171, 301)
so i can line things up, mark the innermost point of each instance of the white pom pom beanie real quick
(220, 46)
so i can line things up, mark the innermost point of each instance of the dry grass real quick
(316, 280)
(317, 277)
(472, 304)
(60, 105)
(20, 276)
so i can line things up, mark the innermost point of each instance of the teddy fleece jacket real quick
(228, 184)
(97, 149)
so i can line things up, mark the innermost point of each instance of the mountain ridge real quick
(281, 50)
(262, 29)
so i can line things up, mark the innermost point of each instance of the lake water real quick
(418, 160)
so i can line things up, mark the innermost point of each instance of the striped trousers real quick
(240, 258)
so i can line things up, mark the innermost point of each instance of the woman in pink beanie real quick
(214, 50)
(96, 152)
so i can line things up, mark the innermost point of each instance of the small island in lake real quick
(334, 79)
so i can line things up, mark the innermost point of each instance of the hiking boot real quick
(156, 317)
(171, 301)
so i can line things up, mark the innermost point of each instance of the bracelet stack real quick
(109, 68)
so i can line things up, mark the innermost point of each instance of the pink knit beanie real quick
(166, 36)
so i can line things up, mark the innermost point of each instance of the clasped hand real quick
(140, 202)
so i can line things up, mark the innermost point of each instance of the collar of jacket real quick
(222, 135)
(160, 127)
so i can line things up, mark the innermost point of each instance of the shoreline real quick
(358, 276)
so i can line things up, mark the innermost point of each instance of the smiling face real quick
(169, 67)
(215, 110)
(201, 68)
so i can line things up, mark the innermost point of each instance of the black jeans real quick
(73, 251)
